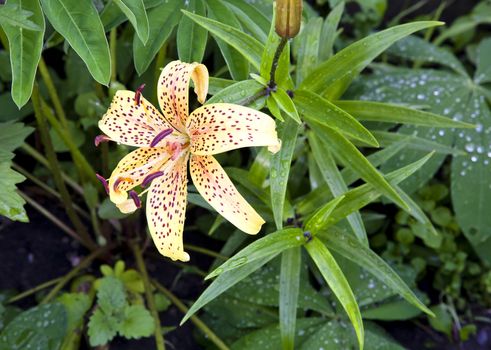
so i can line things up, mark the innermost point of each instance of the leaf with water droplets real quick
(483, 70)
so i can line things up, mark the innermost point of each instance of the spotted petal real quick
(166, 207)
(132, 170)
(132, 122)
(173, 86)
(221, 127)
(215, 186)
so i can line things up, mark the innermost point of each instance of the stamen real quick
(101, 138)
(104, 182)
(138, 94)
(150, 177)
(160, 136)
(135, 198)
(119, 180)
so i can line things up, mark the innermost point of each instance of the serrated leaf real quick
(102, 328)
(79, 23)
(162, 20)
(25, 48)
(76, 305)
(111, 296)
(135, 11)
(137, 323)
(337, 282)
(334, 76)
(191, 38)
(249, 47)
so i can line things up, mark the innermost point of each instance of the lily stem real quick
(56, 171)
(33, 290)
(113, 47)
(159, 338)
(53, 94)
(197, 322)
(274, 64)
(205, 251)
(74, 272)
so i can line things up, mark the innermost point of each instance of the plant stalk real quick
(113, 47)
(205, 251)
(197, 322)
(53, 94)
(159, 338)
(274, 65)
(34, 290)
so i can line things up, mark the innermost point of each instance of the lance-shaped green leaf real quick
(335, 75)
(391, 113)
(271, 244)
(260, 18)
(483, 69)
(336, 280)
(280, 169)
(320, 110)
(239, 93)
(162, 19)
(215, 85)
(25, 48)
(135, 11)
(191, 38)
(249, 47)
(332, 176)
(352, 249)
(14, 15)
(286, 104)
(223, 283)
(329, 31)
(291, 261)
(351, 157)
(236, 63)
(316, 221)
(79, 23)
(308, 48)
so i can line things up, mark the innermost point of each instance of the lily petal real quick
(132, 122)
(172, 90)
(215, 186)
(220, 127)
(166, 209)
(132, 170)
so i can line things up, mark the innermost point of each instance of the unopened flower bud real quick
(288, 17)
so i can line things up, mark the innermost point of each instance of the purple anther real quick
(104, 182)
(117, 182)
(160, 136)
(150, 177)
(135, 198)
(101, 138)
(138, 94)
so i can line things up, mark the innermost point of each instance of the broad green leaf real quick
(419, 50)
(337, 283)
(76, 305)
(270, 245)
(286, 104)
(334, 76)
(483, 71)
(137, 15)
(137, 323)
(215, 85)
(391, 113)
(328, 34)
(79, 23)
(351, 157)
(101, 328)
(334, 180)
(318, 109)
(280, 169)
(162, 19)
(42, 327)
(240, 93)
(224, 282)
(237, 64)
(288, 300)
(25, 48)
(112, 16)
(14, 15)
(308, 48)
(249, 47)
(352, 249)
(111, 295)
(191, 38)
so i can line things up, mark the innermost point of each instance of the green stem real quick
(33, 290)
(248, 100)
(46, 188)
(113, 47)
(159, 338)
(4, 40)
(159, 63)
(56, 171)
(53, 219)
(74, 272)
(197, 322)
(205, 251)
(53, 94)
(274, 65)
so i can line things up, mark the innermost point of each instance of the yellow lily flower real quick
(168, 141)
